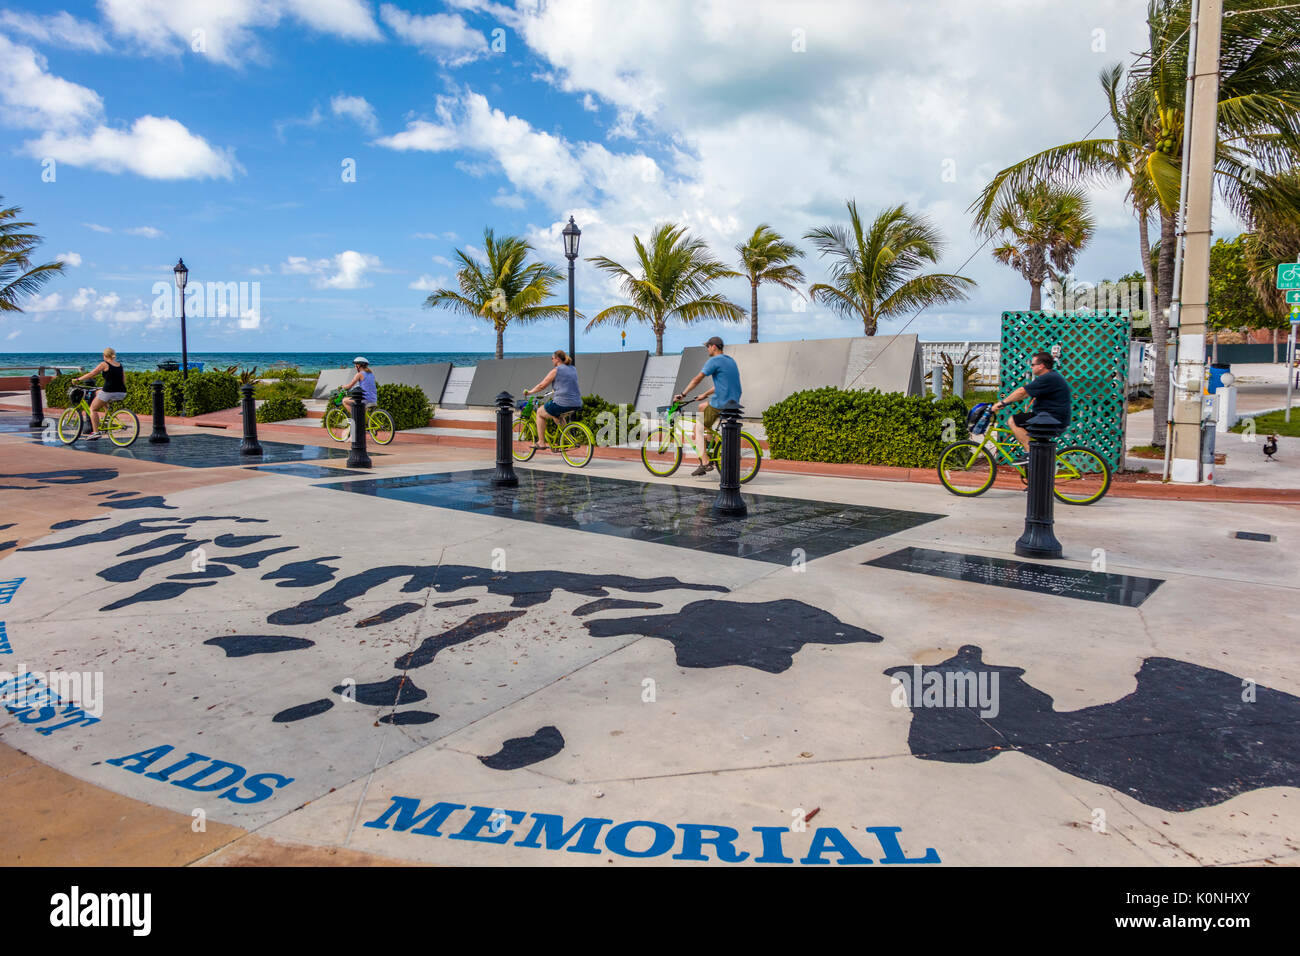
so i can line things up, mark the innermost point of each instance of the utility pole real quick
(1193, 293)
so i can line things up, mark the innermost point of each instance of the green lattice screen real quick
(1094, 356)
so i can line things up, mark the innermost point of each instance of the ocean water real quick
(307, 362)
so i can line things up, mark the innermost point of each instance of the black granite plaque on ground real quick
(1252, 536)
(676, 515)
(302, 469)
(1022, 575)
(16, 423)
(203, 451)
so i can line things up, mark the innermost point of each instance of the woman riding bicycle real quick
(567, 398)
(369, 391)
(114, 389)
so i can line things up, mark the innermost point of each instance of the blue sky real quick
(136, 131)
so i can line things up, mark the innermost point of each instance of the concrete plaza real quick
(591, 670)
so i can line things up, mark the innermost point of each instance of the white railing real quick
(988, 356)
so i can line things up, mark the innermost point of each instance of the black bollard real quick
(250, 445)
(38, 409)
(357, 456)
(159, 436)
(729, 502)
(1039, 540)
(505, 476)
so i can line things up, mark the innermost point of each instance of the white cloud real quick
(421, 135)
(13, 335)
(444, 261)
(428, 283)
(443, 35)
(250, 320)
(32, 96)
(357, 109)
(44, 303)
(509, 200)
(58, 29)
(149, 232)
(589, 104)
(96, 227)
(225, 30)
(156, 147)
(346, 270)
(69, 258)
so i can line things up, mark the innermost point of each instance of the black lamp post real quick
(572, 235)
(182, 276)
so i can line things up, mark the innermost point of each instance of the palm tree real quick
(1043, 226)
(872, 271)
(1258, 137)
(18, 277)
(676, 273)
(503, 289)
(765, 257)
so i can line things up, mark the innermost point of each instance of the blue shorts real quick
(555, 411)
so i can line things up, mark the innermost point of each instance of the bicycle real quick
(573, 440)
(120, 425)
(379, 424)
(968, 468)
(661, 449)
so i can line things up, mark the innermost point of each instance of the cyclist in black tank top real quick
(114, 389)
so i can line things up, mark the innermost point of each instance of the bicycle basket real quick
(977, 420)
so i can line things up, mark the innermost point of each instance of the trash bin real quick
(1217, 371)
(169, 366)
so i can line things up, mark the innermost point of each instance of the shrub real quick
(281, 408)
(869, 428)
(406, 403)
(593, 406)
(289, 373)
(202, 392)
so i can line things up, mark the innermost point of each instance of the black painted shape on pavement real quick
(303, 470)
(131, 570)
(96, 494)
(252, 559)
(476, 626)
(152, 501)
(165, 541)
(522, 751)
(73, 522)
(242, 645)
(719, 633)
(9, 544)
(459, 603)
(211, 570)
(677, 515)
(207, 451)
(409, 717)
(162, 591)
(4, 527)
(303, 574)
(526, 588)
(389, 614)
(610, 604)
(66, 476)
(119, 494)
(138, 526)
(303, 710)
(386, 693)
(1183, 739)
(1033, 576)
(240, 540)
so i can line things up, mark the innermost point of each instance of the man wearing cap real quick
(726, 387)
(368, 388)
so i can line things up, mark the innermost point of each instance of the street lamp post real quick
(182, 276)
(572, 235)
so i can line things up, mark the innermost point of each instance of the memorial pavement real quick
(298, 663)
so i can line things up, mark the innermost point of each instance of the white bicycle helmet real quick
(361, 360)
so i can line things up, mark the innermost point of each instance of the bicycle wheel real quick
(577, 444)
(660, 452)
(338, 424)
(751, 457)
(70, 425)
(380, 425)
(123, 427)
(525, 437)
(966, 469)
(1082, 477)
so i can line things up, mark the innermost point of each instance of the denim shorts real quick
(555, 411)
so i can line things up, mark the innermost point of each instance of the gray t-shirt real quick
(566, 386)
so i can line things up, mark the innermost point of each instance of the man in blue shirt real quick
(726, 387)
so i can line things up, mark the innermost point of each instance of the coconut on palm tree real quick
(504, 288)
(18, 277)
(765, 257)
(1041, 225)
(676, 272)
(874, 270)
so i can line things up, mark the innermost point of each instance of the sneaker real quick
(93, 436)
(701, 470)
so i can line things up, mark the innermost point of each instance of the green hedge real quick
(281, 408)
(868, 428)
(406, 403)
(592, 408)
(201, 393)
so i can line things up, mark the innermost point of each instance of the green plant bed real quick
(281, 409)
(283, 389)
(869, 428)
(1272, 424)
(197, 394)
(593, 406)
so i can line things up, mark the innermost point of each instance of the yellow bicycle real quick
(120, 425)
(379, 424)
